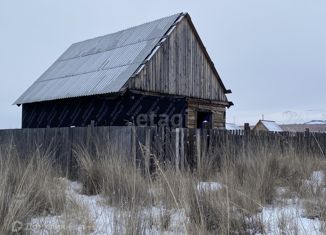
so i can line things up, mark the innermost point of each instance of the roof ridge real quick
(132, 27)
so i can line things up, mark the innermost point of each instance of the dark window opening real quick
(204, 120)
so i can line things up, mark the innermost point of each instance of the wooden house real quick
(158, 73)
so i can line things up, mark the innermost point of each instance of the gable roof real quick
(103, 65)
(98, 66)
(271, 126)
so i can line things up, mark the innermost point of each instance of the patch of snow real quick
(209, 186)
(316, 180)
(287, 217)
(317, 177)
(288, 220)
(100, 218)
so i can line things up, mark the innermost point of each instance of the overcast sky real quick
(272, 54)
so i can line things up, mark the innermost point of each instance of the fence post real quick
(177, 149)
(324, 135)
(182, 149)
(198, 149)
(307, 140)
(133, 146)
(147, 151)
(247, 129)
(246, 138)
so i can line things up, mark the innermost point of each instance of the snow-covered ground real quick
(288, 218)
(289, 214)
(90, 215)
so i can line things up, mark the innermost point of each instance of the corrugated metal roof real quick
(272, 126)
(98, 66)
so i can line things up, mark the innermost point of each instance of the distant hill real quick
(316, 122)
(313, 127)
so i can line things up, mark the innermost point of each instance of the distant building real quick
(154, 74)
(264, 125)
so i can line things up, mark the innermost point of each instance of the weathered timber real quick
(181, 66)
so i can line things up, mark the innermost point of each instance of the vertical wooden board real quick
(148, 141)
(140, 145)
(192, 148)
(116, 142)
(324, 142)
(127, 142)
(177, 149)
(183, 144)
(198, 148)
(133, 152)
(169, 145)
(172, 146)
(161, 133)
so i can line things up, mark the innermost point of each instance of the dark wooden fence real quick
(183, 147)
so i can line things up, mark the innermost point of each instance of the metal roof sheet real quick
(272, 126)
(98, 66)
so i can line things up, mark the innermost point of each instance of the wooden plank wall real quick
(180, 67)
(184, 148)
(218, 113)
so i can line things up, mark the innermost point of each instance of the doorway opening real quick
(204, 120)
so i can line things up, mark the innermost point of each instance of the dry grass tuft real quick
(28, 187)
(114, 177)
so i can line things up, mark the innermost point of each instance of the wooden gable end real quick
(181, 66)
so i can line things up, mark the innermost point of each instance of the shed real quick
(264, 125)
(157, 73)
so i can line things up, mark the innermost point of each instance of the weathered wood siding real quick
(260, 127)
(218, 113)
(180, 67)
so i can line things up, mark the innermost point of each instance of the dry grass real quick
(114, 177)
(27, 188)
(249, 182)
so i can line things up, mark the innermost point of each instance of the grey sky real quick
(272, 54)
